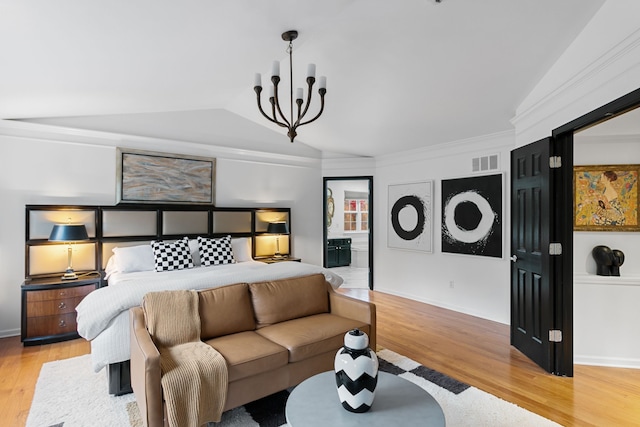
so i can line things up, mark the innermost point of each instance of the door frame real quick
(563, 221)
(325, 181)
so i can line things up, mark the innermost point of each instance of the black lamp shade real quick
(278, 228)
(68, 233)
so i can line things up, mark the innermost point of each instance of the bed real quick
(103, 316)
(208, 247)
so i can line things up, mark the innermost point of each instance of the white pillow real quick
(111, 267)
(195, 252)
(241, 247)
(133, 258)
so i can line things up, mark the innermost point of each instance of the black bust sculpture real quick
(608, 261)
(618, 260)
(604, 260)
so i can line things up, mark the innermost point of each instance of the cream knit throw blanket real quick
(194, 374)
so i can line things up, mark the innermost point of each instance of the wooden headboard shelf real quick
(131, 224)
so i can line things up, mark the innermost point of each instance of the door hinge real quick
(555, 248)
(555, 335)
(555, 162)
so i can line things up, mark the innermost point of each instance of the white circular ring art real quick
(483, 228)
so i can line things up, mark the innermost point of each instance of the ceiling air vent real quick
(485, 163)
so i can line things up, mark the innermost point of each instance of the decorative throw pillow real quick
(172, 256)
(241, 247)
(133, 258)
(215, 251)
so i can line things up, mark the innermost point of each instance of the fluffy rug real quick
(69, 393)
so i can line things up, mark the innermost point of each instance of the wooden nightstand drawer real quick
(51, 325)
(62, 293)
(52, 307)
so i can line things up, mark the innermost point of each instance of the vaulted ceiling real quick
(400, 75)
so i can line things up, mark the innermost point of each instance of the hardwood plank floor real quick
(478, 352)
(467, 348)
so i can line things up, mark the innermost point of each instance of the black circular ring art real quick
(402, 203)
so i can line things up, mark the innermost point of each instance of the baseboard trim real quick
(9, 333)
(609, 362)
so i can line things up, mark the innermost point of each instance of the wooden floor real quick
(470, 349)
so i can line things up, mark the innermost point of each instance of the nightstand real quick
(49, 307)
(273, 260)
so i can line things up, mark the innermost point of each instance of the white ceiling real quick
(400, 75)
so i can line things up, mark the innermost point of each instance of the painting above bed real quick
(153, 177)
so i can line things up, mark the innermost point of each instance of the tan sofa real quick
(273, 335)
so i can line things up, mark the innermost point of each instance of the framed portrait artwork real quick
(410, 222)
(605, 198)
(472, 215)
(153, 177)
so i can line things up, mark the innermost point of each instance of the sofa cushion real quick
(225, 310)
(312, 335)
(248, 354)
(280, 300)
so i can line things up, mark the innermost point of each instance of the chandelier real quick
(277, 115)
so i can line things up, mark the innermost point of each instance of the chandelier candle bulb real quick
(275, 69)
(258, 80)
(323, 83)
(311, 70)
(299, 93)
(271, 92)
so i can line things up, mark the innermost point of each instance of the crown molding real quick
(478, 144)
(605, 68)
(595, 139)
(36, 131)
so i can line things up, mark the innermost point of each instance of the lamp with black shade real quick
(69, 233)
(278, 228)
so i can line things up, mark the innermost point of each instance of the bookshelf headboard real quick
(135, 224)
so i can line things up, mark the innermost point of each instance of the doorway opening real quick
(348, 229)
(563, 293)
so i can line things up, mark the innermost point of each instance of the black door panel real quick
(532, 306)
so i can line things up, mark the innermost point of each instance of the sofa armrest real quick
(355, 309)
(145, 371)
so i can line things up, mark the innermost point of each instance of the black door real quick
(532, 296)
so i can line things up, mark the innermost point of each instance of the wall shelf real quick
(593, 279)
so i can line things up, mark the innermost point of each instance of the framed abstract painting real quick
(605, 198)
(153, 177)
(472, 215)
(410, 222)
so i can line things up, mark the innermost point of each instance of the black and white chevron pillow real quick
(215, 251)
(171, 256)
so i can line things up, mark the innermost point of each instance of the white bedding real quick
(103, 315)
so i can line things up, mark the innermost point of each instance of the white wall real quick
(480, 284)
(605, 308)
(592, 151)
(337, 224)
(38, 166)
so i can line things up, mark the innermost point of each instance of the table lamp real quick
(69, 233)
(278, 228)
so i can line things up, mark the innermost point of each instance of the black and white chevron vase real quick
(356, 367)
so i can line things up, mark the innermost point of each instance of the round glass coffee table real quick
(315, 402)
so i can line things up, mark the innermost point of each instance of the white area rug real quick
(69, 394)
